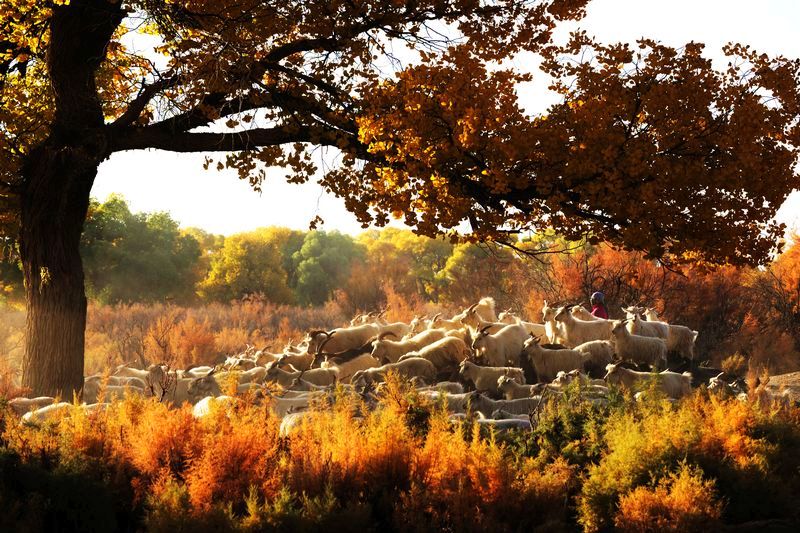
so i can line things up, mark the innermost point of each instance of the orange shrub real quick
(349, 455)
(239, 450)
(231, 341)
(682, 502)
(192, 342)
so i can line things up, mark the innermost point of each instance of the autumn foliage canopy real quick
(650, 147)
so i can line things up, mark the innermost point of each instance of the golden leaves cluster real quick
(651, 148)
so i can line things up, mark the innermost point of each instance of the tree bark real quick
(54, 207)
(57, 180)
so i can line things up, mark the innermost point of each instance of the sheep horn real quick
(314, 332)
(471, 308)
(328, 338)
(484, 329)
(386, 334)
(435, 318)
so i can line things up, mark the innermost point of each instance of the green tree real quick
(473, 271)
(137, 256)
(323, 264)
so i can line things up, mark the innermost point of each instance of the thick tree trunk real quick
(58, 177)
(54, 208)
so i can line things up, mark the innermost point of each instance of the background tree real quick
(473, 271)
(140, 257)
(249, 263)
(438, 143)
(323, 264)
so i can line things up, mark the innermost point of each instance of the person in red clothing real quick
(598, 305)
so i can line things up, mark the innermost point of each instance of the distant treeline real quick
(147, 257)
(144, 258)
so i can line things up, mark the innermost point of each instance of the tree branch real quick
(144, 97)
(161, 139)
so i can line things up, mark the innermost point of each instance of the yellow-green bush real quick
(404, 466)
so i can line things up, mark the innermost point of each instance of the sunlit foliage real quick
(651, 466)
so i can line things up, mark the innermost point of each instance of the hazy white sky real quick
(219, 202)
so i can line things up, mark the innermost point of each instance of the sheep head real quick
(464, 367)
(612, 374)
(563, 313)
(479, 343)
(619, 327)
(530, 342)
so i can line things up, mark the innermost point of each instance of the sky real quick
(219, 202)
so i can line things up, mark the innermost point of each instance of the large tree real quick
(650, 148)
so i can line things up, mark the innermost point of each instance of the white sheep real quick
(292, 421)
(93, 389)
(254, 375)
(342, 339)
(284, 406)
(300, 361)
(674, 385)
(450, 387)
(548, 362)
(415, 367)
(483, 311)
(453, 401)
(348, 368)
(576, 332)
(485, 378)
(121, 381)
(637, 326)
(192, 372)
(533, 328)
(501, 348)
(47, 413)
(511, 390)
(638, 349)
(486, 406)
(205, 406)
(317, 376)
(127, 371)
(680, 339)
(553, 330)
(389, 351)
(446, 353)
(581, 313)
(23, 405)
(504, 425)
(596, 355)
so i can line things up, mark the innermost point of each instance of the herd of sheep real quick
(500, 368)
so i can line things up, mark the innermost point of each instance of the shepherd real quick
(598, 305)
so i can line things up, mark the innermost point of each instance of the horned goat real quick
(485, 378)
(674, 385)
(547, 362)
(638, 349)
(576, 332)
